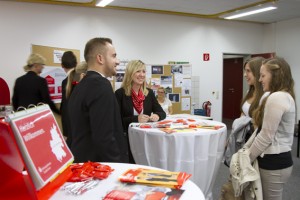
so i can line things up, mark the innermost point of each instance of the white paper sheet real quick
(185, 104)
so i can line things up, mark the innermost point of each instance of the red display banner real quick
(41, 143)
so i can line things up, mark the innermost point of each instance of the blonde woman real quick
(31, 88)
(137, 102)
(75, 76)
(164, 102)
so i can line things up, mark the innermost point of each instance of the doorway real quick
(232, 87)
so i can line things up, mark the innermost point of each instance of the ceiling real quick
(213, 9)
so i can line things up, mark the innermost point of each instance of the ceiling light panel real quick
(76, 1)
(252, 12)
(191, 6)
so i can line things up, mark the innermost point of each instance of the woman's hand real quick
(143, 118)
(154, 117)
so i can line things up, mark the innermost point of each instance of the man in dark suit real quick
(68, 62)
(96, 126)
(31, 88)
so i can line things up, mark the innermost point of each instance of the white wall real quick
(284, 37)
(287, 34)
(153, 38)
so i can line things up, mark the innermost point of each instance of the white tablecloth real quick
(192, 191)
(198, 153)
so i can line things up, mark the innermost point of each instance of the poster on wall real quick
(120, 77)
(186, 87)
(174, 97)
(166, 81)
(187, 71)
(168, 90)
(178, 79)
(118, 80)
(57, 54)
(155, 83)
(157, 69)
(54, 76)
(148, 74)
(176, 69)
(185, 104)
(121, 68)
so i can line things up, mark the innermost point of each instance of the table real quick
(197, 152)
(192, 191)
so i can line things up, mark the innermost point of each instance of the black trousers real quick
(131, 159)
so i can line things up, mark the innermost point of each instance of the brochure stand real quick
(15, 182)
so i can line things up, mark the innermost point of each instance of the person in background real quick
(4, 93)
(251, 73)
(96, 124)
(68, 62)
(31, 88)
(74, 77)
(255, 93)
(137, 102)
(242, 127)
(164, 102)
(275, 119)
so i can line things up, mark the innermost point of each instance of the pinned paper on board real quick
(185, 103)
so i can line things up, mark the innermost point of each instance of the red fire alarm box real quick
(206, 57)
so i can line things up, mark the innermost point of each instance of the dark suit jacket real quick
(64, 112)
(151, 105)
(96, 125)
(31, 89)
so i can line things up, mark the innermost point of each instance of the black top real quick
(150, 104)
(31, 89)
(275, 161)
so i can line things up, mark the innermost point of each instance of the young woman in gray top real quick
(275, 119)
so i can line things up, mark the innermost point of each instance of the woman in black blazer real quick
(137, 102)
(31, 88)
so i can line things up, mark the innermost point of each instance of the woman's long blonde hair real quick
(75, 75)
(132, 67)
(281, 80)
(256, 89)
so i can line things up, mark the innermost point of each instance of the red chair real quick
(4, 93)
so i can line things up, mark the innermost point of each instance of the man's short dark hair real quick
(68, 60)
(95, 46)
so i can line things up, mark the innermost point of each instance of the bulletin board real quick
(48, 53)
(182, 93)
(177, 106)
(162, 70)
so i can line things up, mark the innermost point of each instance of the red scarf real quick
(137, 100)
